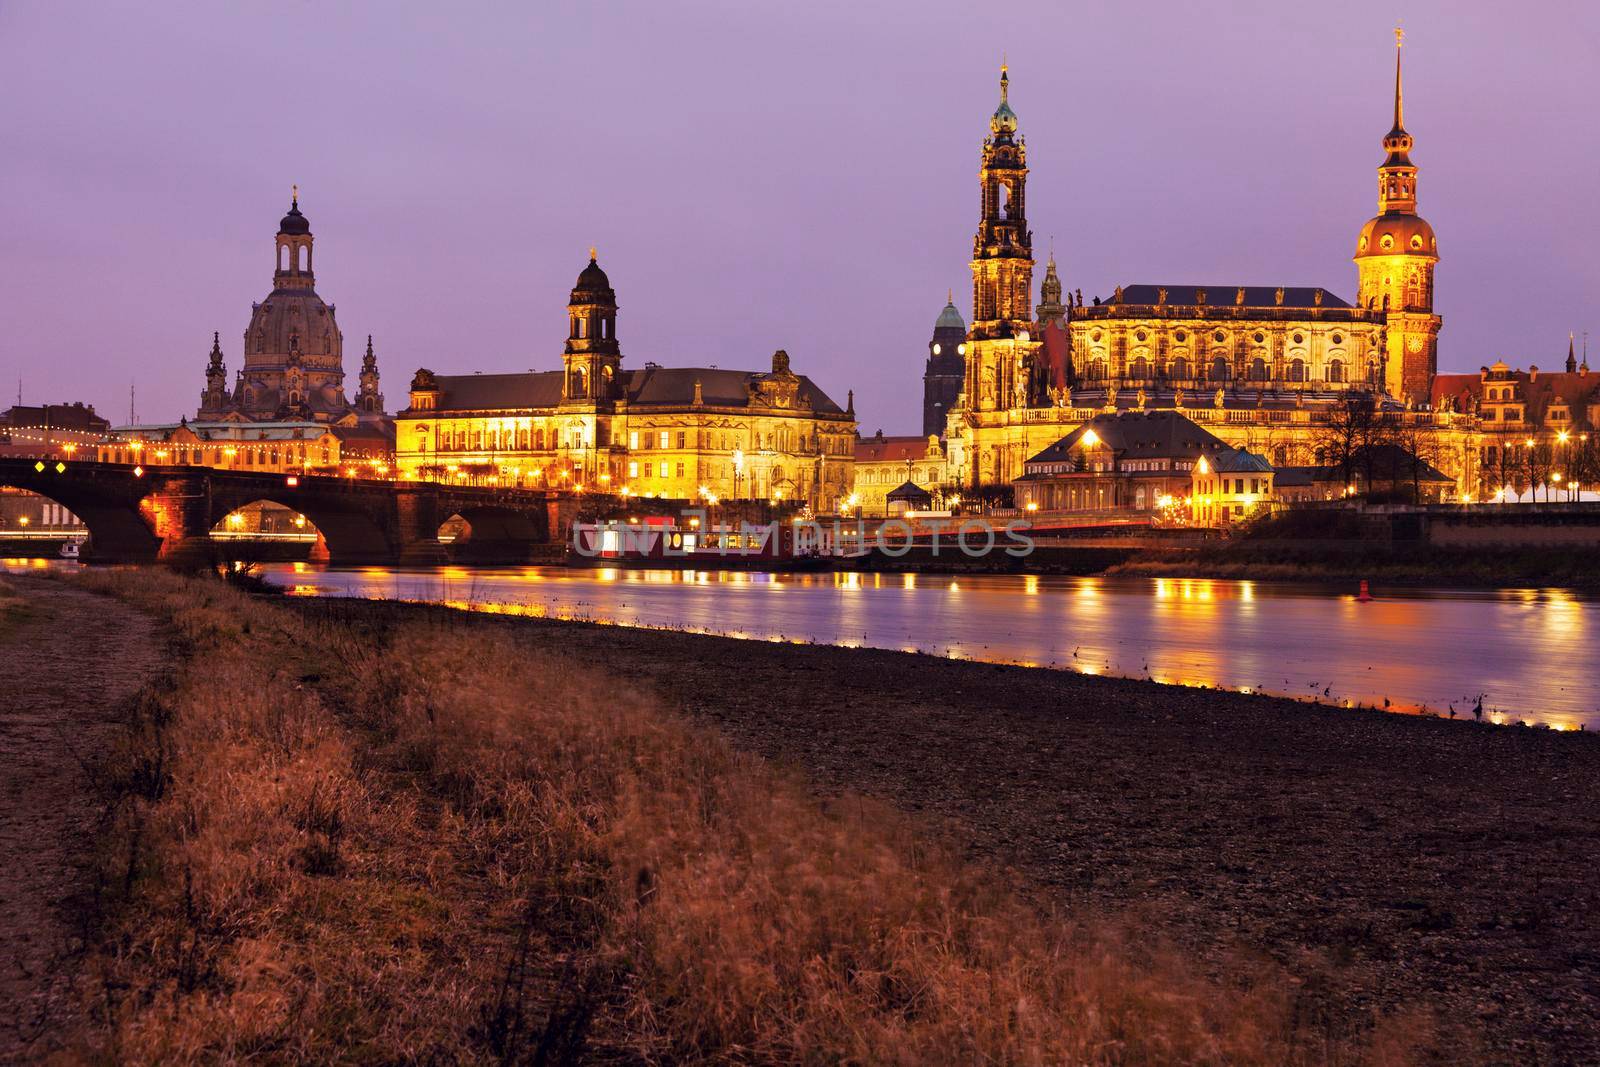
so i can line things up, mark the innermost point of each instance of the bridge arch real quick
(491, 532)
(350, 531)
(118, 528)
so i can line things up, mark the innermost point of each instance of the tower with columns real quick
(1396, 253)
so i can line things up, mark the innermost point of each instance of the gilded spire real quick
(593, 255)
(1004, 121)
(1399, 108)
(1572, 352)
(294, 196)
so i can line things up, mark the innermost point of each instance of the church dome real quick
(294, 320)
(294, 222)
(1397, 234)
(1003, 123)
(950, 319)
(593, 287)
(592, 277)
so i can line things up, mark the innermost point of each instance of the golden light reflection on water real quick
(1307, 643)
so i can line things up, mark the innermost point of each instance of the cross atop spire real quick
(294, 196)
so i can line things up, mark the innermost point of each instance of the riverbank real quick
(1478, 568)
(1385, 860)
(360, 832)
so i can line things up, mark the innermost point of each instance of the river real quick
(1528, 654)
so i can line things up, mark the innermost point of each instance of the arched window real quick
(1097, 369)
(1139, 368)
(1297, 370)
(1336, 370)
(1220, 371)
(1180, 369)
(1258, 369)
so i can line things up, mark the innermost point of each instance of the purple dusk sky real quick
(756, 174)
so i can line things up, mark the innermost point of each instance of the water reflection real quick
(1521, 652)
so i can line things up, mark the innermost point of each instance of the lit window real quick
(633, 439)
(665, 467)
(664, 438)
(633, 470)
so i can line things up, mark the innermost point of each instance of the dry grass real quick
(411, 844)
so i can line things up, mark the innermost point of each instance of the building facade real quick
(683, 433)
(883, 464)
(1537, 430)
(291, 446)
(1261, 366)
(1155, 465)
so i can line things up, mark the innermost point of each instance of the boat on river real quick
(665, 542)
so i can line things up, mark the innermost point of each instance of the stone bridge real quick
(143, 514)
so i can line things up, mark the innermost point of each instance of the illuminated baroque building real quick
(293, 350)
(1261, 367)
(677, 433)
(287, 409)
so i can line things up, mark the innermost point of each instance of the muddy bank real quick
(1386, 859)
(70, 658)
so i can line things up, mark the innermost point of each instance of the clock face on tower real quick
(1414, 344)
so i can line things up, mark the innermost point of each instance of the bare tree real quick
(1342, 441)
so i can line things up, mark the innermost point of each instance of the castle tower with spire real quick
(1395, 258)
(1051, 310)
(945, 369)
(369, 401)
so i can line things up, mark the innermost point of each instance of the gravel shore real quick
(1391, 860)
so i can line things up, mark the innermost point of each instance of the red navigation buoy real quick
(1364, 595)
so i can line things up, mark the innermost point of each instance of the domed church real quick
(293, 350)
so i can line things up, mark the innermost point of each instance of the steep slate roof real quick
(485, 392)
(881, 449)
(910, 491)
(1390, 463)
(1255, 296)
(1139, 435)
(646, 387)
(1239, 461)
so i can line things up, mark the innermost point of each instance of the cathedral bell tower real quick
(294, 249)
(1395, 257)
(999, 345)
(592, 358)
